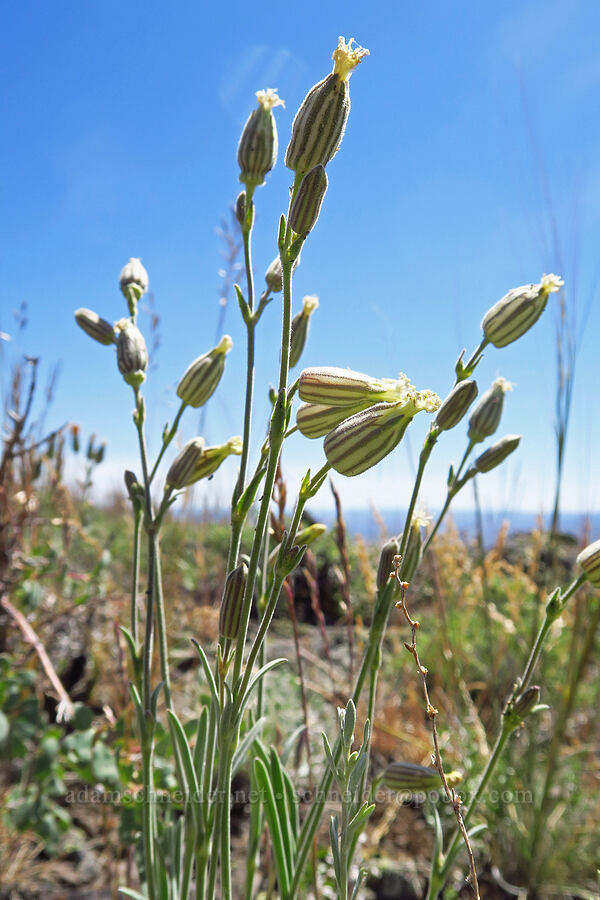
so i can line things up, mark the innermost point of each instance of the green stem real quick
(148, 815)
(137, 520)
(161, 626)
(381, 613)
(430, 442)
(236, 527)
(167, 440)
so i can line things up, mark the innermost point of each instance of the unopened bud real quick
(131, 483)
(405, 777)
(386, 559)
(132, 355)
(307, 202)
(319, 124)
(274, 274)
(241, 209)
(203, 375)
(182, 468)
(589, 561)
(456, 405)
(300, 325)
(497, 453)
(212, 457)
(257, 149)
(413, 550)
(133, 279)
(98, 329)
(304, 538)
(518, 310)
(230, 614)
(525, 704)
(485, 418)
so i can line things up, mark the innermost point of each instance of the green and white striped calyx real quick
(518, 310)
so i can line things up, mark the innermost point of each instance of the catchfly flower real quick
(518, 310)
(363, 418)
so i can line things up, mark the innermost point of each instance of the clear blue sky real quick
(474, 130)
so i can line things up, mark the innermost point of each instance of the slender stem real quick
(161, 627)
(236, 528)
(137, 520)
(167, 440)
(428, 446)
(148, 815)
(381, 613)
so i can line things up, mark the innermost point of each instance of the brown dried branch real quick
(432, 712)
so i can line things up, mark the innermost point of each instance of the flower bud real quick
(407, 777)
(203, 375)
(319, 124)
(212, 457)
(524, 704)
(304, 538)
(98, 329)
(241, 209)
(307, 202)
(363, 439)
(182, 468)
(257, 149)
(589, 561)
(497, 453)
(232, 603)
(334, 386)
(414, 547)
(485, 418)
(274, 274)
(134, 279)
(518, 310)
(300, 324)
(386, 562)
(132, 356)
(315, 420)
(456, 405)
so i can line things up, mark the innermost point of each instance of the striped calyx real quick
(365, 438)
(485, 418)
(201, 378)
(300, 324)
(589, 561)
(414, 547)
(230, 614)
(133, 279)
(182, 468)
(307, 202)
(212, 457)
(497, 453)
(525, 704)
(412, 778)
(98, 329)
(456, 405)
(385, 569)
(518, 310)
(343, 387)
(257, 149)
(319, 124)
(132, 355)
(315, 420)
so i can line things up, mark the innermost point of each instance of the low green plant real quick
(186, 845)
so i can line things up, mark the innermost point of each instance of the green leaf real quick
(104, 764)
(207, 671)
(187, 763)
(256, 678)
(277, 839)
(245, 744)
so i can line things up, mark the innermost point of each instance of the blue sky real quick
(473, 140)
